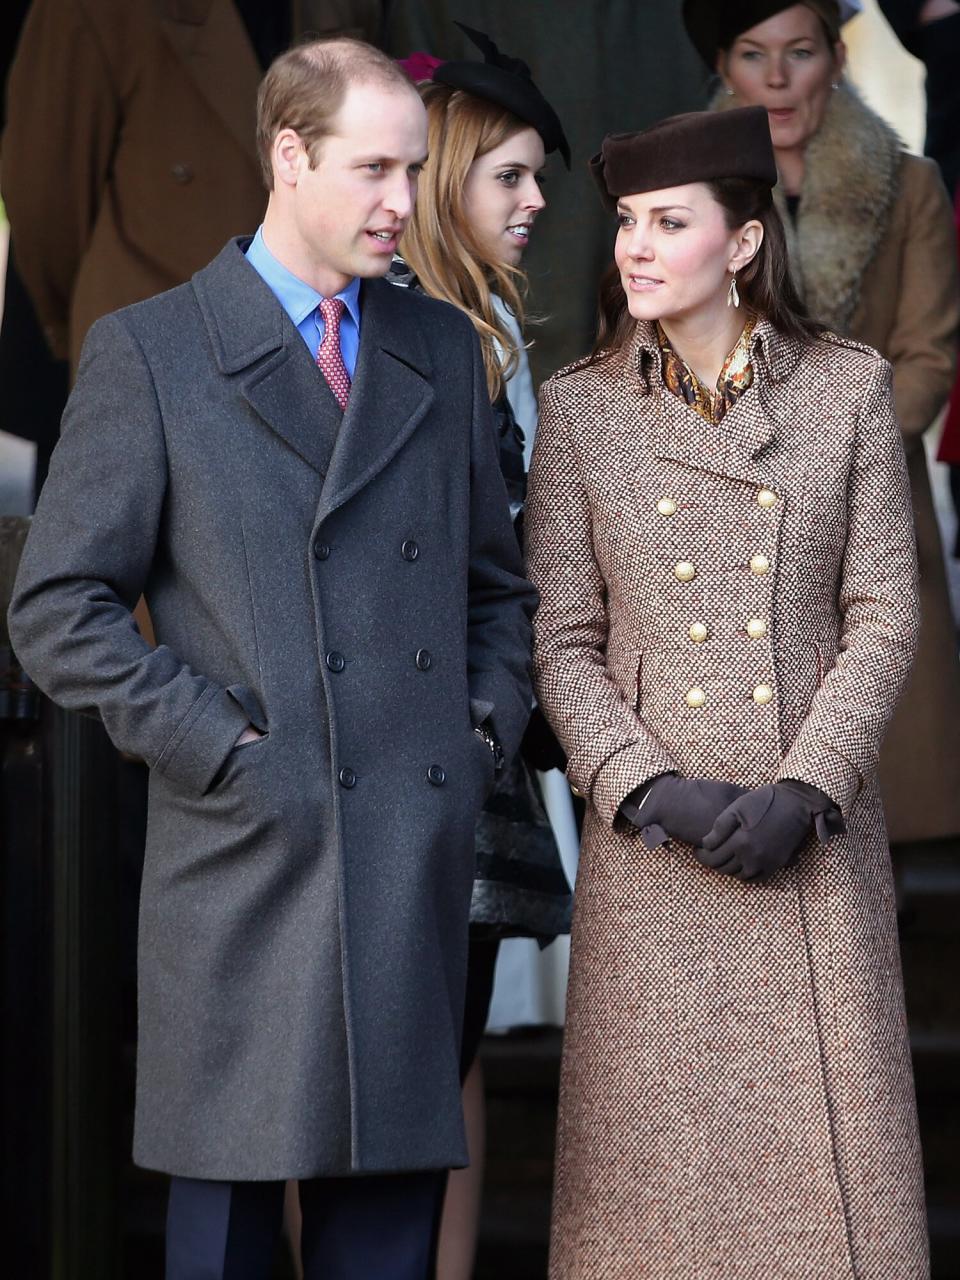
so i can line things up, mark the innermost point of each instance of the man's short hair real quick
(304, 89)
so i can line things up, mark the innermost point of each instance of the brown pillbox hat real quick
(697, 147)
(713, 25)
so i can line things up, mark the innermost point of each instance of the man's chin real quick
(373, 267)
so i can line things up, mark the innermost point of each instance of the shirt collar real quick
(296, 297)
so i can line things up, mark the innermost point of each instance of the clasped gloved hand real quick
(681, 808)
(761, 831)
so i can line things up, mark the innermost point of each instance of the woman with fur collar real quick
(873, 252)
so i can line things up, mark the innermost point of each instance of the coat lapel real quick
(390, 396)
(735, 447)
(209, 38)
(254, 339)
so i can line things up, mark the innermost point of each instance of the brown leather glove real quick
(678, 808)
(761, 831)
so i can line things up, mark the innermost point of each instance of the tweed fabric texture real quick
(736, 1093)
(873, 251)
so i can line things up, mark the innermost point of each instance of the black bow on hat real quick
(507, 82)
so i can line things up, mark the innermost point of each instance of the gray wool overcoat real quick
(350, 584)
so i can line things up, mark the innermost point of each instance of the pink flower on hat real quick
(420, 66)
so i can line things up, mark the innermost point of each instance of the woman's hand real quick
(678, 808)
(761, 831)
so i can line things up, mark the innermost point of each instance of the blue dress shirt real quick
(301, 302)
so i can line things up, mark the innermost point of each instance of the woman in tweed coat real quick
(728, 610)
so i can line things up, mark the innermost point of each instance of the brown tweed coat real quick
(736, 1097)
(873, 252)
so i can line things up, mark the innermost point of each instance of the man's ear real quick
(287, 155)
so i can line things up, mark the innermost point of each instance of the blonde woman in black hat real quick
(873, 251)
(719, 527)
(479, 197)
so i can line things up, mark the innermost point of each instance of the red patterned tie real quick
(329, 359)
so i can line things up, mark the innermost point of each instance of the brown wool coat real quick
(736, 1097)
(874, 252)
(129, 155)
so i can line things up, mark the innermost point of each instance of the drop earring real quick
(733, 296)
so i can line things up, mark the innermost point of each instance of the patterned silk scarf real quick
(736, 377)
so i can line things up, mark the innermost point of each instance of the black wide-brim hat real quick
(697, 147)
(713, 25)
(507, 82)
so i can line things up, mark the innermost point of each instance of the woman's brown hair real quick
(765, 283)
(438, 244)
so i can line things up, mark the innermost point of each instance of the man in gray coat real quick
(295, 464)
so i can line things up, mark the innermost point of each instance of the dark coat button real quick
(348, 778)
(409, 550)
(321, 550)
(336, 661)
(182, 172)
(424, 659)
(436, 775)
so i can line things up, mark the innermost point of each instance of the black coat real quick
(352, 586)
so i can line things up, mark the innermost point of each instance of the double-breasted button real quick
(409, 550)
(182, 173)
(336, 661)
(424, 659)
(684, 571)
(348, 778)
(756, 628)
(696, 697)
(667, 507)
(321, 549)
(762, 694)
(436, 776)
(698, 633)
(759, 565)
(767, 498)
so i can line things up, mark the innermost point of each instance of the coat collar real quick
(391, 392)
(734, 447)
(209, 38)
(851, 181)
(254, 340)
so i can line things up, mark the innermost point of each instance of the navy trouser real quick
(361, 1228)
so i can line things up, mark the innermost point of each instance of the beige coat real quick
(874, 252)
(129, 157)
(736, 1096)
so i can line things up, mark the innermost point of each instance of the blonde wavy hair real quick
(438, 243)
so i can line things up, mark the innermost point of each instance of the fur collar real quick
(851, 181)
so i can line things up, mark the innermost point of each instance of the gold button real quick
(576, 791)
(667, 507)
(759, 565)
(767, 498)
(698, 633)
(756, 628)
(696, 697)
(762, 694)
(685, 571)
